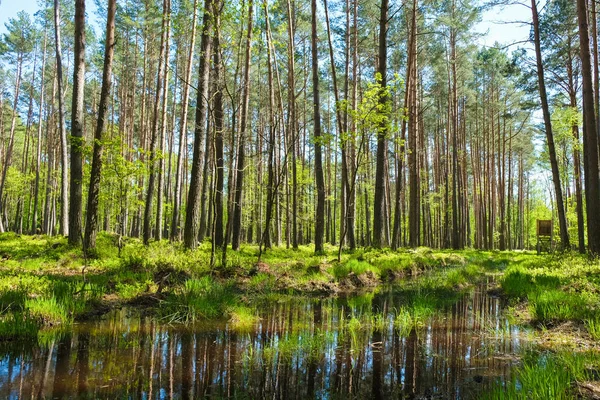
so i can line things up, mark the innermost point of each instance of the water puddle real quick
(354, 347)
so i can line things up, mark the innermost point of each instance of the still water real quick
(335, 348)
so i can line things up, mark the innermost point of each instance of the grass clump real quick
(341, 270)
(243, 318)
(18, 326)
(555, 291)
(547, 376)
(557, 305)
(48, 311)
(517, 282)
(593, 327)
(200, 298)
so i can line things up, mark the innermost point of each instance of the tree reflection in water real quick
(301, 348)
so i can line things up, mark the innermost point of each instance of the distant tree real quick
(17, 44)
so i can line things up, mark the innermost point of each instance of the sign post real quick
(544, 236)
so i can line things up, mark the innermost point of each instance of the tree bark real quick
(590, 138)
(319, 178)
(77, 125)
(38, 162)
(64, 158)
(218, 116)
(177, 197)
(147, 233)
(91, 225)
(190, 234)
(236, 225)
(564, 234)
(380, 176)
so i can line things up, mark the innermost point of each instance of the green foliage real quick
(20, 37)
(556, 305)
(18, 326)
(558, 289)
(243, 318)
(547, 376)
(593, 327)
(199, 299)
(517, 282)
(341, 271)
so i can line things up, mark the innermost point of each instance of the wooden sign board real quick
(544, 227)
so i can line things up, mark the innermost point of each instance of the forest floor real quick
(54, 283)
(45, 282)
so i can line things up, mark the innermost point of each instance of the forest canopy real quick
(359, 123)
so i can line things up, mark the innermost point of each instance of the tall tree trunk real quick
(413, 210)
(236, 226)
(271, 187)
(320, 180)
(564, 233)
(64, 159)
(38, 158)
(11, 139)
(190, 234)
(91, 225)
(340, 131)
(183, 129)
(202, 230)
(590, 138)
(75, 199)
(157, 101)
(163, 132)
(292, 123)
(218, 116)
(380, 176)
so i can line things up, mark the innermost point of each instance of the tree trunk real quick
(320, 180)
(163, 132)
(564, 233)
(218, 116)
(11, 139)
(380, 176)
(590, 138)
(183, 130)
(413, 210)
(190, 234)
(236, 226)
(75, 199)
(147, 233)
(64, 159)
(91, 225)
(38, 162)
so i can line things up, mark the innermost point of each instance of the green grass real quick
(341, 271)
(42, 277)
(201, 298)
(557, 288)
(555, 305)
(593, 327)
(243, 318)
(547, 376)
(18, 326)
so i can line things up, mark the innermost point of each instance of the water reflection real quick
(302, 348)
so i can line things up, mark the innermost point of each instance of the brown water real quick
(301, 348)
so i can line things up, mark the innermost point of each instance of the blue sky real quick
(494, 27)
